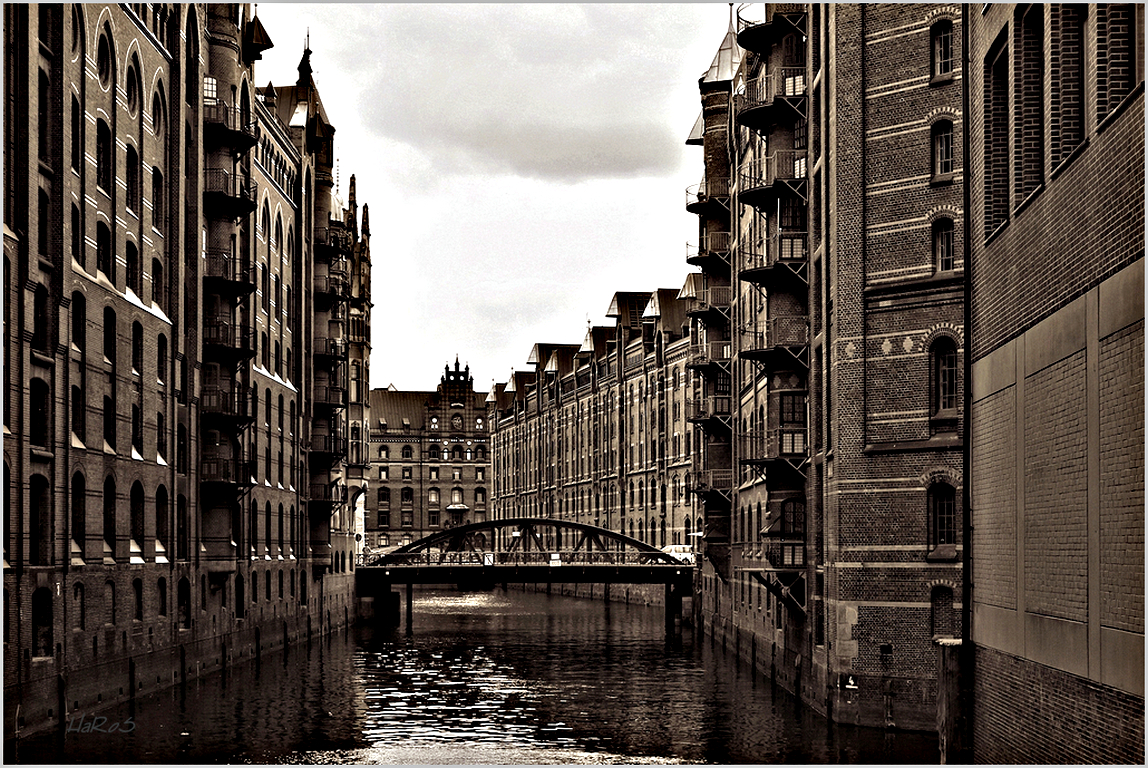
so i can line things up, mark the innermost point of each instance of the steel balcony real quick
(771, 98)
(714, 298)
(712, 194)
(779, 263)
(713, 252)
(228, 404)
(225, 273)
(704, 354)
(763, 446)
(227, 193)
(328, 397)
(227, 126)
(228, 471)
(779, 343)
(759, 26)
(229, 341)
(331, 242)
(763, 180)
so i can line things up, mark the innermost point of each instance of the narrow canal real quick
(495, 677)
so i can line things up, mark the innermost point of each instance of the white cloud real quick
(521, 162)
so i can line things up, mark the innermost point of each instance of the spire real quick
(728, 57)
(366, 221)
(351, 193)
(305, 62)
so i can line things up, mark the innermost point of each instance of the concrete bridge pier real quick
(410, 607)
(673, 609)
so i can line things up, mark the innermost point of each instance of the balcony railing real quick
(711, 407)
(330, 347)
(787, 81)
(234, 192)
(785, 555)
(233, 402)
(334, 284)
(228, 120)
(713, 244)
(220, 264)
(333, 444)
(230, 336)
(333, 397)
(333, 237)
(219, 469)
(777, 443)
(709, 190)
(755, 23)
(708, 352)
(782, 165)
(334, 493)
(785, 247)
(712, 480)
(712, 297)
(784, 331)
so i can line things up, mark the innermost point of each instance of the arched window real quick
(103, 156)
(132, 178)
(79, 515)
(384, 498)
(161, 593)
(109, 527)
(162, 525)
(42, 622)
(942, 617)
(158, 211)
(137, 521)
(41, 402)
(456, 496)
(944, 255)
(942, 516)
(407, 496)
(39, 522)
(943, 356)
(942, 142)
(104, 261)
(407, 452)
(158, 292)
(79, 611)
(137, 594)
(183, 603)
(942, 44)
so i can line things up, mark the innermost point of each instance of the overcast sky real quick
(521, 164)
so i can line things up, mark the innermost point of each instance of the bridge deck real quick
(581, 573)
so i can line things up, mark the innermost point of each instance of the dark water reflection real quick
(501, 678)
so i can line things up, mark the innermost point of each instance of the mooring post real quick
(410, 606)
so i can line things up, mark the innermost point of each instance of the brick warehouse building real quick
(429, 460)
(176, 355)
(1055, 229)
(832, 208)
(600, 433)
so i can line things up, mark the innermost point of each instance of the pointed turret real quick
(726, 60)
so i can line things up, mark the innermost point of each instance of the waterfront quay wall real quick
(95, 669)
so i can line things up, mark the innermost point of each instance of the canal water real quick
(484, 678)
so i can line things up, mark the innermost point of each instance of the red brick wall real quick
(1016, 699)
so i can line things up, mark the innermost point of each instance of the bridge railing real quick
(559, 558)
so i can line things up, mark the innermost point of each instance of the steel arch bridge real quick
(526, 540)
(525, 550)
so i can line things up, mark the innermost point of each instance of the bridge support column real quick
(673, 610)
(410, 607)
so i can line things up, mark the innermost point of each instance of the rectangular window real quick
(1028, 121)
(996, 139)
(210, 91)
